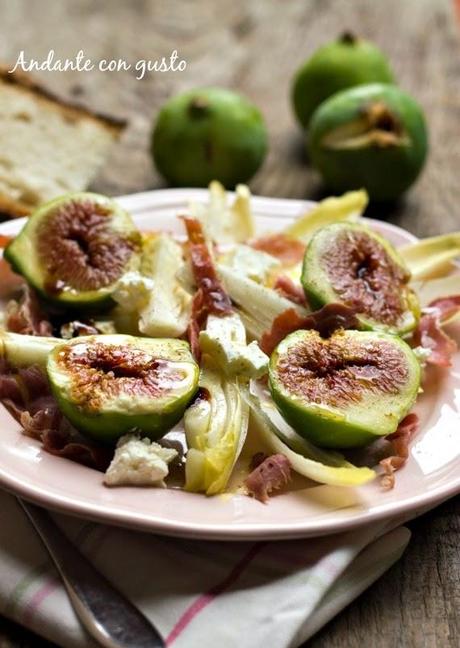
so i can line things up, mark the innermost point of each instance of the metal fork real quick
(107, 615)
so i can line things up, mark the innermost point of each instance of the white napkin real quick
(207, 594)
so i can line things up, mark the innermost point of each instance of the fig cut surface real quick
(74, 249)
(349, 264)
(107, 385)
(346, 390)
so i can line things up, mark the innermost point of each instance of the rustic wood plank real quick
(254, 46)
(416, 603)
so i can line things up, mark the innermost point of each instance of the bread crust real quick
(10, 208)
(73, 111)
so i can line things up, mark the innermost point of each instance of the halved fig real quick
(345, 390)
(371, 137)
(349, 264)
(74, 249)
(107, 385)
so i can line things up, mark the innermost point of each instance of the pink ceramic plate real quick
(431, 475)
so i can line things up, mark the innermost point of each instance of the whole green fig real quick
(343, 63)
(208, 134)
(371, 136)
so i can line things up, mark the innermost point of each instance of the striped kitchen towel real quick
(207, 594)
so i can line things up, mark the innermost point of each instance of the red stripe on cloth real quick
(204, 599)
(51, 584)
(457, 7)
(38, 598)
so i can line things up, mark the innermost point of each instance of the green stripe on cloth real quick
(42, 572)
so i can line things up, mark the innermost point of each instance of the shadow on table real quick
(13, 635)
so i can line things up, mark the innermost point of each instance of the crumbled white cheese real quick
(139, 462)
(105, 326)
(422, 354)
(224, 339)
(255, 264)
(133, 291)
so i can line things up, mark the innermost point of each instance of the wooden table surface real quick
(255, 46)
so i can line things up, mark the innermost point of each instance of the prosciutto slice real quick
(400, 441)
(430, 335)
(210, 296)
(26, 395)
(287, 288)
(9, 280)
(26, 316)
(215, 299)
(326, 320)
(197, 320)
(446, 306)
(287, 250)
(271, 474)
(4, 240)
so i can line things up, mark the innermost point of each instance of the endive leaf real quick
(223, 223)
(348, 207)
(431, 257)
(257, 305)
(215, 428)
(431, 289)
(25, 350)
(247, 261)
(323, 466)
(168, 309)
(153, 300)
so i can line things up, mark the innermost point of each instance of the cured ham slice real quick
(215, 299)
(210, 296)
(430, 335)
(288, 250)
(26, 395)
(272, 473)
(326, 320)
(26, 316)
(292, 291)
(400, 441)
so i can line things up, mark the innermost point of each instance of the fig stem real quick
(198, 107)
(348, 38)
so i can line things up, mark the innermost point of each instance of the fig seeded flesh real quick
(108, 385)
(344, 391)
(371, 137)
(74, 249)
(349, 264)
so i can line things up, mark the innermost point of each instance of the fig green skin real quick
(349, 426)
(341, 64)
(152, 419)
(384, 171)
(208, 134)
(21, 255)
(320, 292)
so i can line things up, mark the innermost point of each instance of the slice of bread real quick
(47, 146)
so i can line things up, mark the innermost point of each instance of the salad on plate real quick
(223, 361)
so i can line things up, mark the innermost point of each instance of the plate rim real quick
(230, 532)
(103, 513)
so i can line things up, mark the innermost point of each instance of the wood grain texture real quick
(255, 46)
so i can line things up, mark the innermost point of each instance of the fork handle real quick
(109, 617)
